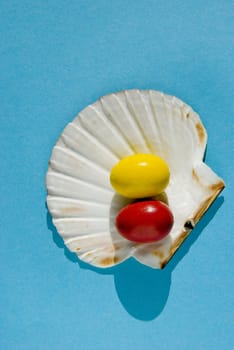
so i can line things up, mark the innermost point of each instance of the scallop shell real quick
(80, 198)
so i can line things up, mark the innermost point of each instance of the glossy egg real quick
(145, 221)
(140, 176)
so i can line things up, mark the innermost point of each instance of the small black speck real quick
(188, 225)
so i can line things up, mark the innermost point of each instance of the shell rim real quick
(218, 188)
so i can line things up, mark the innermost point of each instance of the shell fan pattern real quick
(80, 198)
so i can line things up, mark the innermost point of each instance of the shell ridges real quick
(80, 199)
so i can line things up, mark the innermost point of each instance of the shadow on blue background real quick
(142, 291)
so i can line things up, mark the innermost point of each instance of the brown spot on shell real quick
(78, 249)
(116, 246)
(71, 210)
(159, 254)
(201, 132)
(195, 176)
(218, 186)
(187, 115)
(163, 264)
(214, 187)
(109, 261)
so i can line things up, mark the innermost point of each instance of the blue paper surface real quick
(56, 57)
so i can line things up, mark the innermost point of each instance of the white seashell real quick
(80, 199)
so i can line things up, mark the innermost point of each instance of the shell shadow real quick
(142, 291)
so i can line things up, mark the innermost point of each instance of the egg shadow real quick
(142, 291)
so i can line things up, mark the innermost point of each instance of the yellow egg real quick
(140, 175)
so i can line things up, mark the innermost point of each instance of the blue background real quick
(57, 57)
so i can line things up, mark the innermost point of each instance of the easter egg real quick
(145, 221)
(140, 175)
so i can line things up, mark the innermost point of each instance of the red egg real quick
(145, 221)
